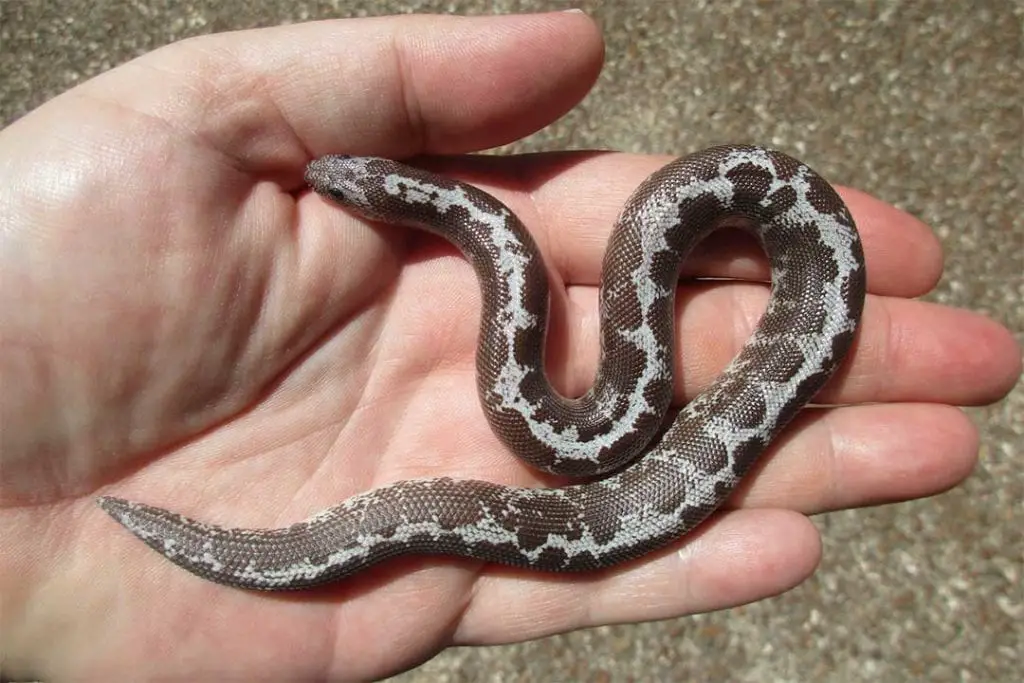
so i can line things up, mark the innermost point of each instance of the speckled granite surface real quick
(917, 102)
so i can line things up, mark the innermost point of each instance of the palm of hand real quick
(250, 354)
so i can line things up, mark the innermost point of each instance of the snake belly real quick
(645, 498)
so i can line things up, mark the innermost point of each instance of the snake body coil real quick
(818, 284)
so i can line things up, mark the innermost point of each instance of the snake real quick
(647, 477)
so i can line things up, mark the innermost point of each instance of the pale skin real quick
(183, 323)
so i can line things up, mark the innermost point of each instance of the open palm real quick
(183, 323)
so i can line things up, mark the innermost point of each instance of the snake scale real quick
(633, 500)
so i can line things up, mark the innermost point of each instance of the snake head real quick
(348, 181)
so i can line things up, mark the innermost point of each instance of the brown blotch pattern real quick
(673, 487)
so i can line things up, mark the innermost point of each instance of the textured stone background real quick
(918, 102)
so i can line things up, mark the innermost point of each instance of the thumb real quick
(390, 86)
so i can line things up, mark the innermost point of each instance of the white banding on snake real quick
(650, 498)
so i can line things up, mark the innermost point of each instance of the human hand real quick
(183, 323)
